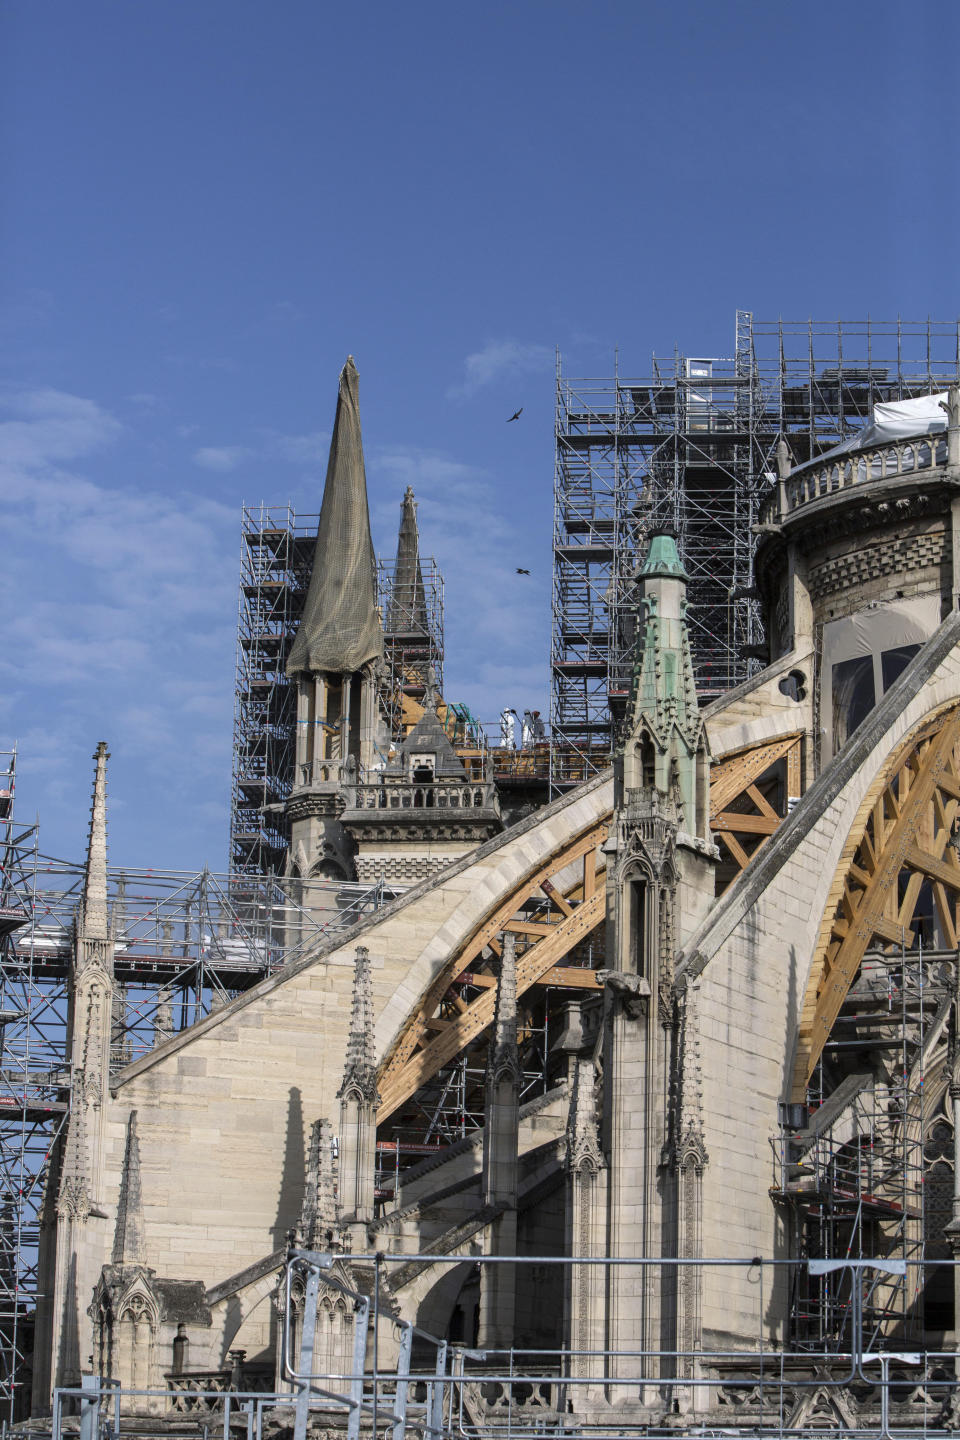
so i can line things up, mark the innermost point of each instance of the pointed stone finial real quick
(94, 904)
(583, 1136)
(502, 1058)
(73, 1199)
(340, 629)
(128, 1237)
(360, 1069)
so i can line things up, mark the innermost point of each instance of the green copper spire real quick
(664, 727)
(663, 560)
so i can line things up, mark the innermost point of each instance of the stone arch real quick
(436, 1296)
(238, 1332)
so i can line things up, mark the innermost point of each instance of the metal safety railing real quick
(400, 1379)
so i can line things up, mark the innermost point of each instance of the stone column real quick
(500, 1165)
(586, 1233)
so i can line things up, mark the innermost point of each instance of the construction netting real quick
(340, 629)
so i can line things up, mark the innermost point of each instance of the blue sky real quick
(209, 203)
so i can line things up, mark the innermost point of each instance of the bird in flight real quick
(521, 571)
(516, 415)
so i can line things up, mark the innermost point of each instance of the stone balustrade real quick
(390, 794)
(320, 772)
(858, 467)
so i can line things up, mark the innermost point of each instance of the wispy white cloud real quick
(129, 636)
(46, 425)
(499, 360)
(221, 458)
(308, 450)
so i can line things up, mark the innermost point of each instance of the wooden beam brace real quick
(572, 977)
(399, 1083)
(735, 848)
(497, 919)
(554, 896)
(933, 868)
(746, 824)
(729, 778)
(899, 848)
(763, 804)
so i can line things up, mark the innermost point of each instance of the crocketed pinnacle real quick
(664, 692)
(94, 907)
(340, 629)
(691, 1148)
(360, 1069)
(583, 1140)
(128, 1241)
(73, 1198)
(319, 1210)
(407, 613)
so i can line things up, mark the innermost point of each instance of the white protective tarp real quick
(926, 415)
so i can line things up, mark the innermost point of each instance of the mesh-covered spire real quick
(407, 614)
(340, 629)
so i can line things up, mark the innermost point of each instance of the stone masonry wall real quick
(224, 1110)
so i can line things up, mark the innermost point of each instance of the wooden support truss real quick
(906, 848)
(550, 916)
(741, 813)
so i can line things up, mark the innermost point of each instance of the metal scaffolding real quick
(184, 943)
(692, 446)
(34, 1089)
(276, 556)
(412, 641)
(854, 1174)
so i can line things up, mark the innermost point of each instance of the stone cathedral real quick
(720, 939)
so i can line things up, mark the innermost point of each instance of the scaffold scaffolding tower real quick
(692, 446)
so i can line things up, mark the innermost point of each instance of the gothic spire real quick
(664, 692)
(408, 602)
(73, 1198)
(340, 629)
(128, 1244)
(360, 1069)
(94, 903)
